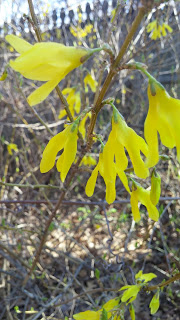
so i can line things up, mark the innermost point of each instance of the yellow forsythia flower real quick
(158, 30)
(73, 100)
(96, 315)
(163, 117)
(88, 80)
(142, 195)
(45, 61)
(155, 187)
(12, 146)
(88, 161)
(108, 170)
(126, 137)
(82, 126)
(67, 140)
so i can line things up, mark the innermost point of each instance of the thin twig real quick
(79, 203)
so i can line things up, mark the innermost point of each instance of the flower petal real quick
(90, 186)
(70, 149)
(133, 143)
(20, 45)
(59, 163)
(134, 205)
(51, 150)
(87, 315)
(42, 92)
(144, 198)
(123, 178)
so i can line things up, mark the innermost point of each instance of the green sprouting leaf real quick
(16, 309)
(104, 315)
(146, 277)
(97, 273)
(130, 293)
(52, 226)
(154, 304)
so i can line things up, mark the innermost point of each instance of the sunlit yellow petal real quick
(168, 27)
(59, 163)
(51, 150)
(144, 198)
(20, 45)
(163, 117)
(155, 188)
(133, 143)
(88, 80)
(108, 306)
(46, 61)
(163, 30)
(90, 186)
(42, 92)
(70, 149)
(87, 315)
(77, 106)
(62, 114)
(110, 191)
(123, 178)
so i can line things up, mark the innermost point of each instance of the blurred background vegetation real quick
(90, 244)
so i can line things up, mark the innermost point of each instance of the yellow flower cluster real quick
(158, 30)
(79, 32)
(88, 161)
(113, 161)
(73, 100)
(12, 146)
(91, 82)
(67, 140)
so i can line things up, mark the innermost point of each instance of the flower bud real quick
(155, 187)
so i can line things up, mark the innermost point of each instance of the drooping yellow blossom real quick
(88, 80)
(124, 136)
(67, 140)
(139, 194)
(73, 100)
(110, 307)
(158, 30)
(164, 118)
(45, 61)
(12, 146)
(108, 169)
(88, 160)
